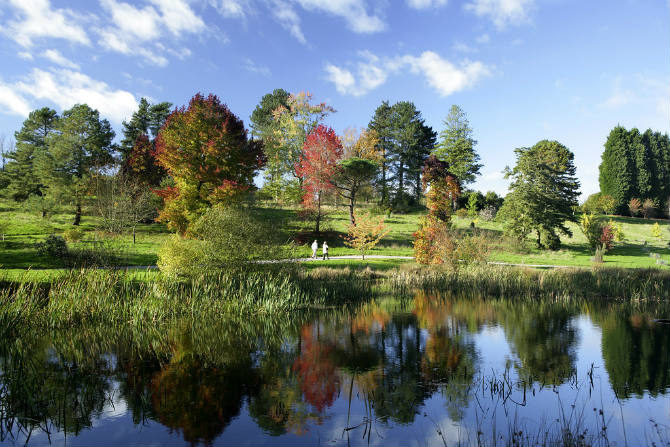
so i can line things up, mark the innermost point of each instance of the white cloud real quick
(443, 76)
(252, 67)
(484, 38)
(502, 12)
(353, 11)
(36, 19)
(464, 48)
(288, 19)
(67, 87)
(25, 55)
(619, 97)
(139, 31)
(423, 4)
(371, 72)
(232, 9)
(57, 58)
(12, 102)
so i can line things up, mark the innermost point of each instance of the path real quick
(332, 258)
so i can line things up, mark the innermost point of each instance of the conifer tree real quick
(456, 146)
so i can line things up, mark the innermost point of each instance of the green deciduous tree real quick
(31, 142)
(542, 194)
(76, 152)
(456, 146)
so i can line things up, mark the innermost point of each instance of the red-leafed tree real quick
(316, 167)
(204, 147)
(141, 163)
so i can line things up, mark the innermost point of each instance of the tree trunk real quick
(539, 240)
(352, 199)
(318, 213)
(77, 215)
(133, 234)
(401, 180)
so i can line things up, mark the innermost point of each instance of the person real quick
(325, 251)
(315, 247)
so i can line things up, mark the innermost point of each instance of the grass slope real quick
(22, 230)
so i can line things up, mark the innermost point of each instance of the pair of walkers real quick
(315, 248)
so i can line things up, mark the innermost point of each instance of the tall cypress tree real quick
(31, 141)
(456, 146)
(617, 170)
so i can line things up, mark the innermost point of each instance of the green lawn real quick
(22, 230)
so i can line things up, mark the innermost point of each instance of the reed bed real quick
(504, 281)
(85, 297)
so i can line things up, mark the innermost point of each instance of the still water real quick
(427, 370)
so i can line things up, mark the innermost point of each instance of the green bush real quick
(224, 238)
(73, 234)
(53, 247)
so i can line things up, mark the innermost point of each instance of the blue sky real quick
(523, 70)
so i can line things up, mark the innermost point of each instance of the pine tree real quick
(31, 142)
(542, 194)
(76, 152)
(456, 146)
(381, 123)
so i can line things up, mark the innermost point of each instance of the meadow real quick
(22, 230)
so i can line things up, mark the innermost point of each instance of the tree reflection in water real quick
(382, 359)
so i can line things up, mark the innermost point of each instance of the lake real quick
(423, 370)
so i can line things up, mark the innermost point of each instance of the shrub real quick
(607, 237)
(617, 229)
(366, 233)
(488, 214)
(223, 238)
(462, 212)
(634, 206)
(599, 203)
(648, 208)
(44, 205)
(436, 243)
(53, 247)
(656, 231)
(592, 227)
(73, 234)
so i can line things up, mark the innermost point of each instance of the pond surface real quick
(426, 370)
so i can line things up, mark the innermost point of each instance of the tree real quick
(147, 120)
(381, 124)
(79, 148)
(353, 173)
(123, 202)
(139, 141)
(542, 194)
(366, 234)
(362, 144)
(456, 146)
(317, 166)
(599, 203)
(204, 148)
(31, 142)
(294, 123)
(265, 127)
(413, 142)
(635, 165)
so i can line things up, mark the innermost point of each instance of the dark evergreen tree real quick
(261, 118)
(456, 146)
(617, 170)
(31, 141)
(542, 194)
(381, 123)
(76, 152)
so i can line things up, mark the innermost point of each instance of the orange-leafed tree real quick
(204, 148)
(316, 167)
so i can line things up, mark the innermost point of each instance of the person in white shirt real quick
(315, 247)
(325, 251)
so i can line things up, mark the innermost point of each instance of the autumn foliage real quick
(316, 167)
(366, 234)
(432, 236)
(204, 148)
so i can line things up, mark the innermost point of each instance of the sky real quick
(522, 70)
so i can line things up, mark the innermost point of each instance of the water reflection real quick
(371, 370)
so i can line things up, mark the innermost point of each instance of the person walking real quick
(325, 251)
(315, 247)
